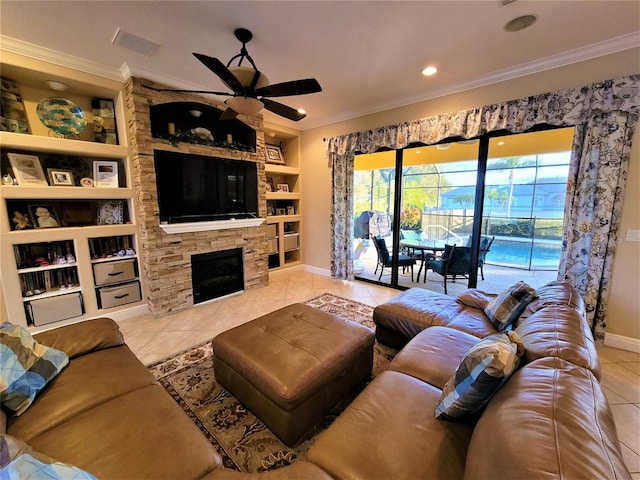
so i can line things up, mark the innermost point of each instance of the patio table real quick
(423, 246)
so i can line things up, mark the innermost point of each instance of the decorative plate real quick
(62, 116)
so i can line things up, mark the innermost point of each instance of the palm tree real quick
(511, 163)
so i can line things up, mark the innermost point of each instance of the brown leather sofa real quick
(106, 414)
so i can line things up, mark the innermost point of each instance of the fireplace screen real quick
(216, 274)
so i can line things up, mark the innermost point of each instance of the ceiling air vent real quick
(134, 43)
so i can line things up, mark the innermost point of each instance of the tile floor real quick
(156, 338)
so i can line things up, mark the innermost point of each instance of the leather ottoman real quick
(291, 366)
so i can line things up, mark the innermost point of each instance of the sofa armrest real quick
(84, 337)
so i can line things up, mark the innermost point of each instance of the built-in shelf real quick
(215, 225)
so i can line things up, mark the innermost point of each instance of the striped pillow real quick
(19, 460)
(509, 305)
(482, 371)
(27, 367)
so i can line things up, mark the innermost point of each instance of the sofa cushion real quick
(413, 310)
(433, 355)
(503, 310)
(27, 367)
(389, 432)
(84, 337)
(140, 434)
(19, 460)
(88, 381)
(559, 331)
(483, 370)
(551, 420)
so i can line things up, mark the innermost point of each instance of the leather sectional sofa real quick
(106, 414)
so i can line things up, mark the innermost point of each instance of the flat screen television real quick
(198, 188)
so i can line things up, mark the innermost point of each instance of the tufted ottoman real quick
(292, 365)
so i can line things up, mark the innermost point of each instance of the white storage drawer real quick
(116, 271)
(54, 309)
(119, 294)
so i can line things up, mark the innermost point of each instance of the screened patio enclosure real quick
(516, 194)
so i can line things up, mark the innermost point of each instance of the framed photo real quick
(44, 216)
(27, 169)
(60, 178)
(283, 187)
(110, 212)
(271, 209)
(77, 214)
(281, 211)
(13, 117)
(270, 186)
(291, 210)
(105, 174)
(20, 220)
(273, 154)
(104, 121)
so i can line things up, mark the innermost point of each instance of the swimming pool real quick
(541, 256)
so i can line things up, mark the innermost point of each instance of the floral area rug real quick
(242, 440)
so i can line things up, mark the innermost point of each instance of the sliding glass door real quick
(498, 200)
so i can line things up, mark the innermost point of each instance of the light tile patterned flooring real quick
(156, 338)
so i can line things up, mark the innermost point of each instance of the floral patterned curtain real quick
(605, 115)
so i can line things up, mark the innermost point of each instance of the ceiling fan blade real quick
(282, 110)
(219, 68)
(294, 87)
(228, 114)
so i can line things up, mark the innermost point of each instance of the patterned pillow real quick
(507, 307)
(27, 367)
(482, 371)
(19, 460)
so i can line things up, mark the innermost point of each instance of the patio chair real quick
(455, 262)
(384, 259)
(485, 246)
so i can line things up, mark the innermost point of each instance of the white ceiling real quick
(366, 55)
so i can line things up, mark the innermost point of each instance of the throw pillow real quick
(508, 305)
(19, 460)
(484, 368)
(27, 367)
(475, 298)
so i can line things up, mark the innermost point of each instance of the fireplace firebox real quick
(216, 274)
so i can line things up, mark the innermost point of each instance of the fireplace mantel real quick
(214, 225)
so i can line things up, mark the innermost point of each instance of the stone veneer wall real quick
(166, 258)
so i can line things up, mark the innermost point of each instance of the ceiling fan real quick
(251, 89)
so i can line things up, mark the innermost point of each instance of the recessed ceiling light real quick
(58, 86)
(520, 23)
(430, 70)
(501, 143)
(443, 146)
(302, 111)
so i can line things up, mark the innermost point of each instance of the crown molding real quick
(600, 49)
(45, 54)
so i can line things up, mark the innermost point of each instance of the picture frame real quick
(110, 212)
(283, 187)
(104, 121)
(273, 155)
(270, 186)
(281, 211)
(59, 177)
(21, 220)
(291, 210)
(44, 215)
(27, 169)
(105, 174)
(271, 209)
(77, 214)
(13, 116)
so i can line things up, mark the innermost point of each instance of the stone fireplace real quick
(166, 257)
